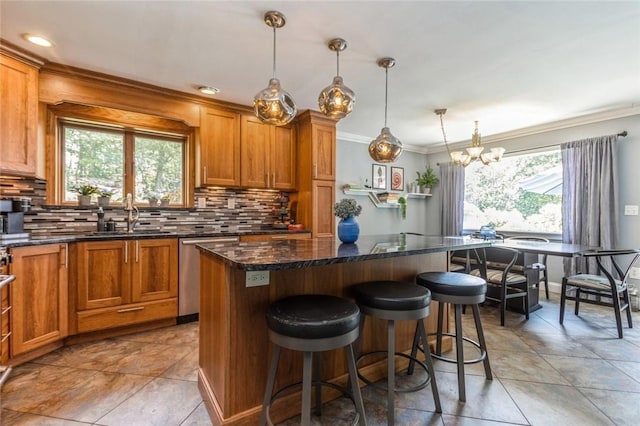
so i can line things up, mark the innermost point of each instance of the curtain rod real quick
(621, 134)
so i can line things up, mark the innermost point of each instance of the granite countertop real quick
(293, 254)
(137, 234)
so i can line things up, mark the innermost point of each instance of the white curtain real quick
(452, 189)
(590, 192)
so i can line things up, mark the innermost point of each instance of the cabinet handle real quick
(274, 180)
(126, 251)
(315, 170)
(124, 311)
(204, 179)
(137, 250)
(66, 255)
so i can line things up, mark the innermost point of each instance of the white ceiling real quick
(508, 64)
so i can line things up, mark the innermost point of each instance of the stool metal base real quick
(395, 389)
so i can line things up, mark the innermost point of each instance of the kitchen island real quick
(239, 281)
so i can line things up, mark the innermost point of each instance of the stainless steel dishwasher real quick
(189, 275)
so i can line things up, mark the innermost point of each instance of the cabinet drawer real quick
(118, 316)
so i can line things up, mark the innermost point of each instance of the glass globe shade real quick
(386, 148)
(337, 100)
(274, 105)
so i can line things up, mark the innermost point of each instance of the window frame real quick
(107, 119)
(509, 232)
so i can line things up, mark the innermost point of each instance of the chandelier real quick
(337, 100)
(386, 148)
(474, 152)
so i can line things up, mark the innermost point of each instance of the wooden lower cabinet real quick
(126, 282)
(38, 295)
(272, 237)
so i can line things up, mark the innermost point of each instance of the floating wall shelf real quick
(373, 196)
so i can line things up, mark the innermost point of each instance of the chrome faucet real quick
(132, 219)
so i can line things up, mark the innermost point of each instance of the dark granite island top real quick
(292, 254)
(234, 339)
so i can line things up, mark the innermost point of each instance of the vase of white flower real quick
(348, 228)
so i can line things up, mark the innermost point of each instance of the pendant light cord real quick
(338, 62)
(274, 52)
(386, 90)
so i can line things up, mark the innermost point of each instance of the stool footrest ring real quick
(403, 390)
(281, 392)
(483, 353)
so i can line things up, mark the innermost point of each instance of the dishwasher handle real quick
(211, 240)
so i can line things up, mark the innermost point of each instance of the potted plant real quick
(348, 229)
(152, 198)
(104, 197)
(165, 200)
(427, 180)
(403, 207)
(85, 192)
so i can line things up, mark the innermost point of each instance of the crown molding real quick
(582, 120)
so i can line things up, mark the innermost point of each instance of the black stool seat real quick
(456, 289)
(392, 295)
(452, 283)
(313, 316)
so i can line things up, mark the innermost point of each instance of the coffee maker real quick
(12, 215)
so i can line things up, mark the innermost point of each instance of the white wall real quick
(354, 166)
(423, 216)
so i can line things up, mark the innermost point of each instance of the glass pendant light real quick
(337, 100)
(274, 105)
(386, 148)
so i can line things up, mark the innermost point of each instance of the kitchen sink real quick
(122, 232)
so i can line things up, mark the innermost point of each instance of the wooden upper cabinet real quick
(19, 117)
(39, 296)
(316, 146)
(219, 147)
(268, 155)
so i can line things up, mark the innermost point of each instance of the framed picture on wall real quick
(379, 177)
(397, 179)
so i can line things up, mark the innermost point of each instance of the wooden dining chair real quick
(503, 269)
(610, 282)
(542, 266)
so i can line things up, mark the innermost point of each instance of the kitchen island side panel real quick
(235, 349)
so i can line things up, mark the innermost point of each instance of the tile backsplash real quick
(252, 210)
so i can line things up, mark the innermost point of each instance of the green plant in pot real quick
(165, 200)
(403, 207)
(104, 197)
(152, 198)
(427, 180)
(85, 192)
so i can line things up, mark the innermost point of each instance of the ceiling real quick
(509, 64)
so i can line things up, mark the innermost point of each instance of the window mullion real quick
(129, 164)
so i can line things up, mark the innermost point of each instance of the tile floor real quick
(544, 374)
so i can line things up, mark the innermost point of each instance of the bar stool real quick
(392, 301)
(312, 323)
(458, 290)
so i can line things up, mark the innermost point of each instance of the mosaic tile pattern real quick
(544, 374)
(254, 209)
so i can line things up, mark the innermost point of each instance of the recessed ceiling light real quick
(36, 39)
(208, 90)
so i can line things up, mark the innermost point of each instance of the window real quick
(521, 193)
(120, 161)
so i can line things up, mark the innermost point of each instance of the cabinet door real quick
(323, 151)
(19, 118)
(323, 201)
(255, 153)
(154, 269)
(219, 147)
(103, 274)
(39, 299)
(283, 158)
